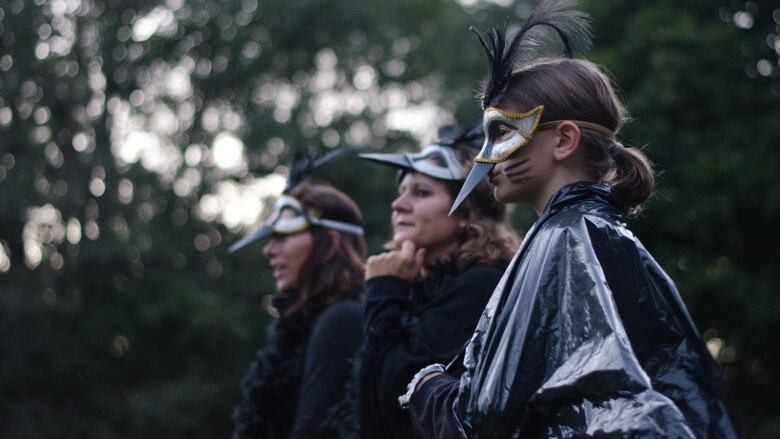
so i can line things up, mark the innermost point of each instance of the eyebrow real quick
(499, 119)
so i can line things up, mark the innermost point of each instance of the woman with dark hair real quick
(424, 296)
(585, 336)
(316, 250)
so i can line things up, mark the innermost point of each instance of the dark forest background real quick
(138, 139)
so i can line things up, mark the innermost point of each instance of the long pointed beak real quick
(478, 172)
(259, 234)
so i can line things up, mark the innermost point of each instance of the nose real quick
(271, 249)
(401, 203)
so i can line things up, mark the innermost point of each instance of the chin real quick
(499, 195)
(509, 196)
(398, 238)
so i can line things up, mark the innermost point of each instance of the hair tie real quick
(615, 148)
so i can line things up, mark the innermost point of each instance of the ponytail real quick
(632, 179)
(576, 89)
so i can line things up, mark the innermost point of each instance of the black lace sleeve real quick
(409, 326)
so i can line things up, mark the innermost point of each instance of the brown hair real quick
(487, 238)
(576, 89)
(330, 274)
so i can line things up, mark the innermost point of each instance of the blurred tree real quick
(129, 130)
(136, 138)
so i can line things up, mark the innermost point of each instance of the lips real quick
(493, 177)
(278, 269)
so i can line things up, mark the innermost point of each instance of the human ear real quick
(567, 140)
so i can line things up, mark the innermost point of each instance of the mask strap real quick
(582, 124)
(338, 225)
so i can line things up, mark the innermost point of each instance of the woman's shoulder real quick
(605, 234)
(479, 273)
(581, 220)
(344, 313)
(478, 278)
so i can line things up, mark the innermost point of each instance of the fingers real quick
(373, 260)
(407, 263)
(419, 260)
(408, 250)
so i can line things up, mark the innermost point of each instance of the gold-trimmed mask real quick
(496, 122)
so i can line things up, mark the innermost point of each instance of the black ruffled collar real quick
(441, 269)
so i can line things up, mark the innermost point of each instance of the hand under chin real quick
(399, 238)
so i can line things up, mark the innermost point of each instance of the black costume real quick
(585, 336)
(303, 370)
(300, 373)
(409, 325)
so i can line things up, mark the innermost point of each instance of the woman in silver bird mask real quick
(424, 295)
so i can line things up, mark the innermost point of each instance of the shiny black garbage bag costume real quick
(585, 336)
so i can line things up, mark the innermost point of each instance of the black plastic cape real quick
(586, 336)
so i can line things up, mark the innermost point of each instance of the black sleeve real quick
(439, 330)
(431, 408)
(334, 340)
(404, 335)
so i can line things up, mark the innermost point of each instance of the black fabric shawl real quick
(409, 326)
(272, 406)
(586, 336)
(266, 409)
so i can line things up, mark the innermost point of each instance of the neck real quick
(433, 254)
(554, 184)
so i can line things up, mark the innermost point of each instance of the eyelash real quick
(501, 130)
(418, 192)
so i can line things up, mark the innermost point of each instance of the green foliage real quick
(121, 315)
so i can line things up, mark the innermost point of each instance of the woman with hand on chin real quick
(424, 296)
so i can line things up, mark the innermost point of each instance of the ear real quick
(568, 140)
(335, 242)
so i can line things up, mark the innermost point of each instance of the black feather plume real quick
(450, 135)
(505, 56)
(472, 136)
(303, 166)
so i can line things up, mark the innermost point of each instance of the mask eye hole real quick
(288, 212)
(501, 132)
(436, 160)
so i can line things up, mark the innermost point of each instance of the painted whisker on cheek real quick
(519, 179)
(517, 171)
(516, 175)
(516, 164)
